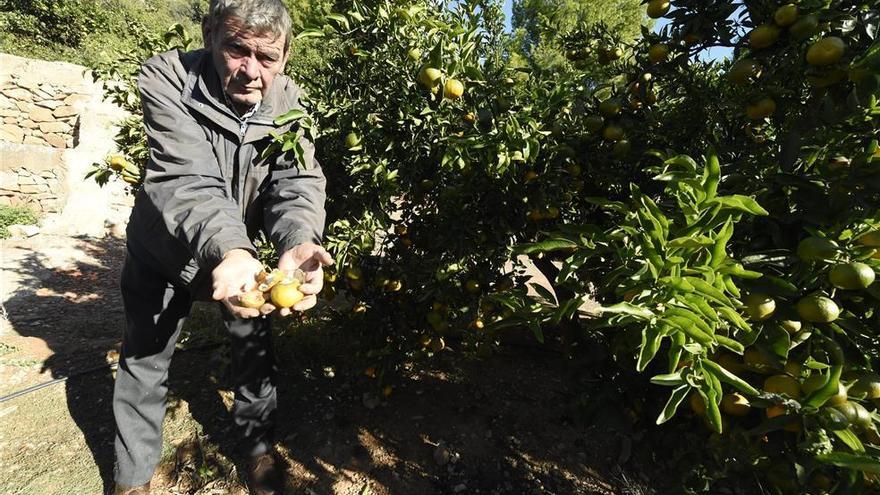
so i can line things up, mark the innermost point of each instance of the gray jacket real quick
(206, 189)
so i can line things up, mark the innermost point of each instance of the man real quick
(207, 192)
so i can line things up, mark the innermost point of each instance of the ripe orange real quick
(118, 163)
(759, 306)
(658, 53)
(744, 71)
(735, 404)
(816, 308)
(815, 249)
(786, 15)
(871, 239)
(763, 36)
(851, 276)
(783, 384)
(658, 8)
(469, 117)
(610, 107)
(252, 299)
(352, 140)
(594, 123)
(429, 77)
(761, 109)
(697, 404)
(755, 360)
(805, 27)
(453, 89)
(826, 51)
(286, 294)
(791, 326)
(613, 133)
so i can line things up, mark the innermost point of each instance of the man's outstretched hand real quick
(235, 275)
(310, 258)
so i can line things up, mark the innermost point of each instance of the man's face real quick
(246, 62)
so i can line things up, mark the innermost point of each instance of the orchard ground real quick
(453, 424)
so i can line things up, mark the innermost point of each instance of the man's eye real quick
(237, 50)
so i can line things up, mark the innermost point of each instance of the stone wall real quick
(41, 104)
(38, 113)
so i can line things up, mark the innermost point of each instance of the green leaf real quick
(850, 439)
(629, 309)
(291, 116)
(851, 461)
(310, 33)
(728, 377)
(690, 242)
(548, 245)
(741, 203)
(668, 380)
(675, 398)
(652, 336)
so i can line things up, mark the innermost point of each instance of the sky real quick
(714, 53)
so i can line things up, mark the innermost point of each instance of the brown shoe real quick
(265, 475)
(134, 490)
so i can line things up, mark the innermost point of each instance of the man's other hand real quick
(235, 275)
(310, 258)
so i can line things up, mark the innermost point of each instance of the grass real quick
(15, 215)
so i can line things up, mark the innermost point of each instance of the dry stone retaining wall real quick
(38, 113)
(41, 105)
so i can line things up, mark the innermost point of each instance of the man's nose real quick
(251, 67)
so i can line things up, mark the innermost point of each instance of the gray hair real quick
(257, 16)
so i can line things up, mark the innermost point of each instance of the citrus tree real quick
(751, 272)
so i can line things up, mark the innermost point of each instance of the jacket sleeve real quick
(294, 201)
(183, 178)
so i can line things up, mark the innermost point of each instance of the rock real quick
(55, 140)
(50, 104)
(57, 127)
(26, 179)
(29, 85)
(35, 140)
(23, 230)
(10, 120)
(9, 112)
(65, 111)
(9, 132)
(39, 114)
(34, 188)
(28, 124)
(77, 98)
(20, 94)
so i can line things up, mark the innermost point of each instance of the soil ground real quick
(506, 424)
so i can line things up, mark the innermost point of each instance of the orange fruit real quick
(286, 294)
(657, 8)
(826, 51)
(735, 404)
(453, 89)
(816, 308)
(761, 109)
(804, 27)
(744, 71)
(613, 133)
(851, 276)
(759, 306)
(658, 52)
(697, 404)
(783, 384)
(429, 77)
(253, 299)
(786, 15)
(763, 36)
(352, 140)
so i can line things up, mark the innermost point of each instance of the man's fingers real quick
(324, 257)
(312, 287)
(307, 302)
(266, 309)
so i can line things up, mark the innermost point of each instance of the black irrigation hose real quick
(113, 365)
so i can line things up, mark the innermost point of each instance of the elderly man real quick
(207, 192)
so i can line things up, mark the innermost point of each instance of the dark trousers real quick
(155, 311)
